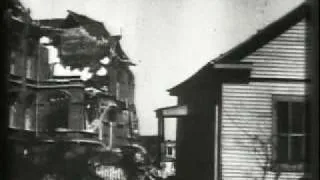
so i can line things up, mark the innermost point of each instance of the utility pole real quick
(161, 136)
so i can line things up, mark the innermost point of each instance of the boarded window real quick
(292, 131)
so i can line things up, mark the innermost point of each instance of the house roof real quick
(94, 28)
(97, 29)
(234, 55)
(55, 23)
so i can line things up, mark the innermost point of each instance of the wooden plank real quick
(283, 59)
(295, 77)
(253, 121)
(265, 103)
(280, 71)
(265, 87)
(247, 125)
(174, 111)
(301, 49)
(280, 67)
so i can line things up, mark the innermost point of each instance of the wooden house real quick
(244, 115)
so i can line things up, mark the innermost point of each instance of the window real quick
(13, 58)
(12, 115)
(120, 126)
(112, 114)
(12, 68)
(28, 74)
(117, 90)
(291, 130)
(28, 119)
(121, 77)
(169, 151)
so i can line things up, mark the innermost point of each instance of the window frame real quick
(12, 68)
(29, 68)
(13, 115)
(171, 148)
(29, 118)
(285, 166)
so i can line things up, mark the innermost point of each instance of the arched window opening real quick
(113, 114)
(121, 76)
(130, 78)
(12, 115)
(58, 115)
(29, 119)
(29, 110)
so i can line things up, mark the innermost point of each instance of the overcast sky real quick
(171, 39)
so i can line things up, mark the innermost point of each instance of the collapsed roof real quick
(83, 41)
(93, 27)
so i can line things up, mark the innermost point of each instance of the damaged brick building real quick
(83, 44)
(44, 106)
(41, 103)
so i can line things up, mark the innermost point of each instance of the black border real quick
(4, 167)
(314, 63)
(314, 60)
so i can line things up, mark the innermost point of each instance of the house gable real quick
(264, 36)
(284, 57)
(293, 35)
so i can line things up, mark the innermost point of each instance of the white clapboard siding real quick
(284, 56)
(247, 113)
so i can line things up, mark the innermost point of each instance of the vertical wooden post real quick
(216, 145)
(110, 135)
(101, 123)
(160, 134)
(100, 130)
